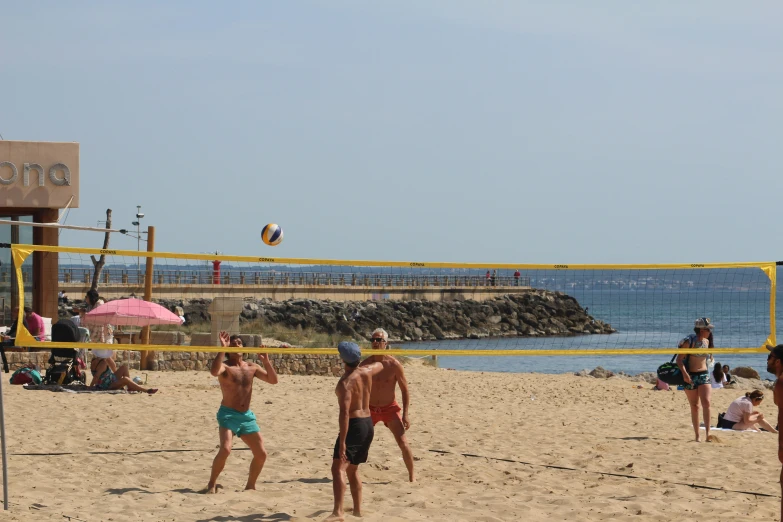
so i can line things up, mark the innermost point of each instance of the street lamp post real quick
(139, 215)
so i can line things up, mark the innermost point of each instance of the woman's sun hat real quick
(703, 322)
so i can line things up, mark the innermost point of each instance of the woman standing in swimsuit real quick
(696, 373)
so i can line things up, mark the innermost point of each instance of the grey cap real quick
(349, 352)
(776, 351)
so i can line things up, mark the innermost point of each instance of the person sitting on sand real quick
(105, 378)
(234, 416)
(108, 356)
(383, 403)
(741, 414)
(661, 386)
(36, 323)
(356, 429)
(727, 375)
(717, 378)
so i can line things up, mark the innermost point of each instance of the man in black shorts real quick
(356, 429)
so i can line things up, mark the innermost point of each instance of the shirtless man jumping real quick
(383, 403)
(356, 429)
(234, 416)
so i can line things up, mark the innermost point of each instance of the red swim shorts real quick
(385, 413)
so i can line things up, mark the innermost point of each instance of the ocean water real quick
(656, 318)
(631, 364)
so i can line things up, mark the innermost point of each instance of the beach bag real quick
(670, 373)
(26, 375)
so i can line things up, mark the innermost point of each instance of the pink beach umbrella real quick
(131, 312)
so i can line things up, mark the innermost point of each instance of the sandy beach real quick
(488, 447)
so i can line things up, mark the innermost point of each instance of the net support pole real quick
(773, 277)
(146, 356)
(5, 453)
(15, 297)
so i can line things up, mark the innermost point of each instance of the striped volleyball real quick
(272, 234)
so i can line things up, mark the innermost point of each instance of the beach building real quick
(37, 181)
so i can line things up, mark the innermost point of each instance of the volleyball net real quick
(427, 308)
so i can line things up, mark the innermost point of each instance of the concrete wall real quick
(194, 361)
(282, 293)
(284, 364)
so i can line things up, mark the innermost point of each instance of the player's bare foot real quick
(213, 488)
(334, 517)
(250, 488)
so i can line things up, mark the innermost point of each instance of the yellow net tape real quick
(24, 338)
(402, 264)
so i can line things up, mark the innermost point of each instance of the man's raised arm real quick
(267, 373)
(217, 365)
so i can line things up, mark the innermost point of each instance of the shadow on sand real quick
(275, 517)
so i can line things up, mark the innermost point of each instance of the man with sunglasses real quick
(383, 402)
(775, 365)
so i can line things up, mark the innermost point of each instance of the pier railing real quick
(277, 278)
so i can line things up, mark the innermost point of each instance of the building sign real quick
(35, 174)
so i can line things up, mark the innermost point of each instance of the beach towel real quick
(735, 431)
(70, 388)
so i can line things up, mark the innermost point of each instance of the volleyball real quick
(272, 234)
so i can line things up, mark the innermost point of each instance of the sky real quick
(444, 130)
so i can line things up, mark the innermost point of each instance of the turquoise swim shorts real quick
(239, 422)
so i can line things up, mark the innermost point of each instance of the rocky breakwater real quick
(537, 313)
